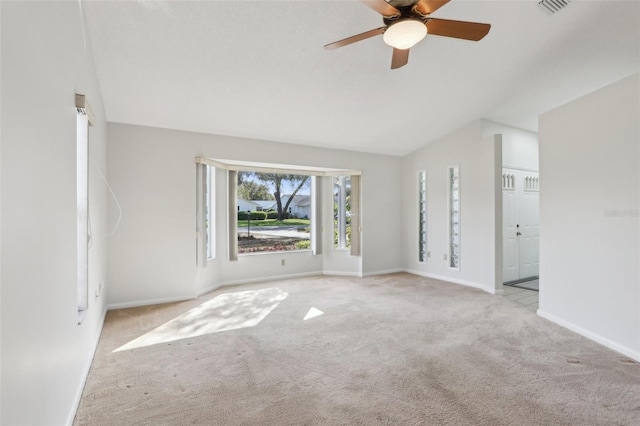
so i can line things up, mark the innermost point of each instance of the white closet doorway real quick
(520, 225)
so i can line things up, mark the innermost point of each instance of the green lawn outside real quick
(275, 222)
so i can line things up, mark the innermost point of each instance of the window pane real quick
(342, 211)
(422, 216)
(274, 212)
(454, 217)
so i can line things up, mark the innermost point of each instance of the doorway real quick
(520, 227)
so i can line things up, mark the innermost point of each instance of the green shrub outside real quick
(254, 215)
(303, 245)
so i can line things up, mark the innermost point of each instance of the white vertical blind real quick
(316, 214)
(232, 178)
(201, 217)
(82, 202)
(355, 215)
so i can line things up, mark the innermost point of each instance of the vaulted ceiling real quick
(258, 69)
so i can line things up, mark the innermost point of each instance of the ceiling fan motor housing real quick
(406, 12)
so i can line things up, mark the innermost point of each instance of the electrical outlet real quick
(282, 262)
(428, 254)
(444, 256)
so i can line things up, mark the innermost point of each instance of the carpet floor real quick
(387, 350)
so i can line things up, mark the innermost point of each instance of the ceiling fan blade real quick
(355, 38)
(458, 29)
(427, 7)
(382, 7)
(399, 58)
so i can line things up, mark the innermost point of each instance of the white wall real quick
(589, 199)
(152, 256)
(474, 154)
(45, 353)
(519, 146)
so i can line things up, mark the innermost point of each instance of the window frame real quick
(423, 253)
(311, 218)
(454, 217)
(209, 205)
(343, 220)
(233, 166)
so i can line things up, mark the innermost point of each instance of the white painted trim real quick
(207, 290)
(420, 212)
(384, 272)
(342, 273)
(455, 167)
(270, 278)
(85, 372)
(452, 280)
(590, 335)
(497, 216)
(251, 166)
(147, 302)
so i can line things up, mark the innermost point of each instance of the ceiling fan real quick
(406, 22)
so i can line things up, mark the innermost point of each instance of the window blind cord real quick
(115, 199)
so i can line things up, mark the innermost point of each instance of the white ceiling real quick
(258, 69)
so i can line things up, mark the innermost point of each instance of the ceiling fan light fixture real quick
(405, 34)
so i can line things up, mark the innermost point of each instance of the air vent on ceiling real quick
(553, 6)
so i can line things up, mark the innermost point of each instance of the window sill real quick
(281, 252)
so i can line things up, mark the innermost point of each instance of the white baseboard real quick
(207, 289)
(85, 371)
(452, 280)
(137, 303)
(342, 274)
(590, 335)
(384, 272)
(270, 278)
(274, 278)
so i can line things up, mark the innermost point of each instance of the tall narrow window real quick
(205, 245)
(454, 216)
(209, 206)
(82, 211)
(342, 212)
(422, 216)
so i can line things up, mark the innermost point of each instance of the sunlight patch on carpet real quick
(229, 311)
(313, 312)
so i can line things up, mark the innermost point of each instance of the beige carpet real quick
(390, 350)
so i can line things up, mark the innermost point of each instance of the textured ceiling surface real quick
(257, 69)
